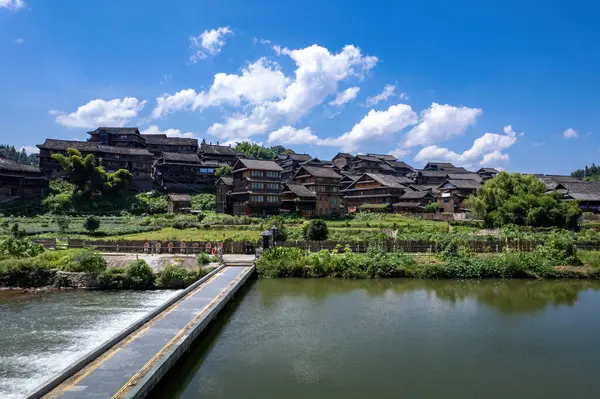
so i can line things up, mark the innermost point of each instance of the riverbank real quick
(547, 263)
(88, 269)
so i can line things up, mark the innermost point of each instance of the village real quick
(295, 184)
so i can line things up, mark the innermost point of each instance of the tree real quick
(432, 207)
(90, 178)
(281, 233)
(225, 170)
(589, 173)
(91, 224)
(10, 152)
(63, 222)
(316, 230)
(252, 150)
(513, 198)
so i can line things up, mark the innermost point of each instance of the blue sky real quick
(506, 84)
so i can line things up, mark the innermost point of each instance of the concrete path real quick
(132, 368)
(156, 261)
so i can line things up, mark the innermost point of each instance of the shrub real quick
(63, 222)
(281, 234)
(315, 230)
(113, 278)
(140, 274)
(91, 223)
(81, 260)
(12, 246)
(432, 207)
(204, 259)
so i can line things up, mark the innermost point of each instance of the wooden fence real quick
(236, 247)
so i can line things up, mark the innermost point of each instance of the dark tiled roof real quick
(464, 176)
(217, 149)
(488, 170)
(367, 158)
(300, 157)
(260, 164)
(441, 165)
(415, 195)
(9, 164)
(399, 164)
(406, 205)
(117, 130)
(425, 187)
(464, 184)
(179, 157)
(162, 139)
(383, 157)
(433, 173)
(180, 197)
(227, 180)
(320, 172)
(582, 191)
(387, 180)
(88, 146)
(350, 176)
(300, 190)
(343, 155)
(457, 170)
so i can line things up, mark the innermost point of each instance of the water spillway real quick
(132, 366)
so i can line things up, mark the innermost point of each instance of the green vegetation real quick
(204, 202)
(591, 173)
(139, 273)
(91, 224)
(225, 170)
(315, 230)
(251, 150)
(432, 207)
(454, 263)
(10, 152)
(174, 276)
(512, 198)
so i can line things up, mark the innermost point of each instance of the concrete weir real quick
(135, 363)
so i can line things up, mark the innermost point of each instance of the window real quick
(271, 173)
(272, 198)
(256, 173)
(256, 198)
(273, 186)
(257, 186)
(334, 201)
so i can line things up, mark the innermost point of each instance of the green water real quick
(399, 339)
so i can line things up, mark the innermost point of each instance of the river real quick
(43, 332)
(398, 339)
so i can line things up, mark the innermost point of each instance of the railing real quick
(240, 247)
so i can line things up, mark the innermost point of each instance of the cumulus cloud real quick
(399, 153)
(441, 122)
(290, 135)
(485, 151)
(208, 43)
(388, 91)
(317, 75)
(345, 96)
(30, 149)
(98, 112)
(153, 129)
(570, 133)
(375, 124)
(12, 5)
(258, 82)
(238, 128)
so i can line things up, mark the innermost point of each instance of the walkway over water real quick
(132, 367)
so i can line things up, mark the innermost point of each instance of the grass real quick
(172, 234)
(590, 258)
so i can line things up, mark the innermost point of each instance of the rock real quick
(75, 280)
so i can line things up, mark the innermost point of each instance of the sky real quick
(504, 84)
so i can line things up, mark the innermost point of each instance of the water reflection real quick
(506, 296)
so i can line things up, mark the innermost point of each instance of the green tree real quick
(225, 170)
(513, 198)
(140, 274)
(432, 207)
(10, 152)
(63, 222)
(252, 150)
(281, 232)
(91, 224)
(315, 230)
(204, 202)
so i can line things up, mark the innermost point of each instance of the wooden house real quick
(299, 200)
(454, 192)
(179, 203)
(20, 181)
(183, 172)
(375, 191)
(257, 187)
(224, 188)
(325, 183)
(414, 201)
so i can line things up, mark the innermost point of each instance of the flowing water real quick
(41, 333)
(398, 339)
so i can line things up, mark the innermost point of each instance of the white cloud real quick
(388, 91)
(539, 144)
(345, 96)
(441, 122)
(399, 153)
(208, 43)
(258, 82)
(570, 133)
(290, 135)
(96, 113)
(30, 149)
(485, 151)
(19, 40)
(317, 75)
(238, 128)
(12, 5)
(376, 124)
(153, 129)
